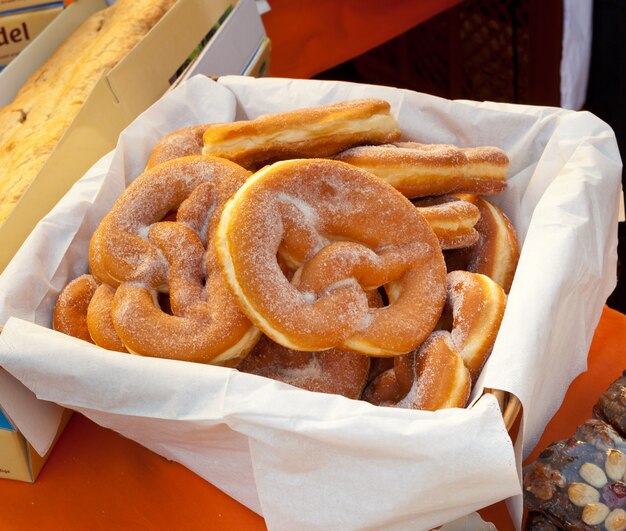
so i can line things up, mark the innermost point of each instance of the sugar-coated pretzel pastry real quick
(83, 310)
(421, 170)
(378, 366)
(451, 219)
(477, 306)
(441, 379)
(100, 321)
(184, 142)
(274, 273)
(350, 232)
(70, 310)
(206, 325)
(434, 377)
(497, 251)
(393, 383)
(144, 255)
(320, 131)
(119, 251)
(441, 373)
(330, 371)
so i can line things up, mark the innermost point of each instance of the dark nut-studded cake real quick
(611, 407)
(580, 482)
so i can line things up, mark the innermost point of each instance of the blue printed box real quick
(5, 424)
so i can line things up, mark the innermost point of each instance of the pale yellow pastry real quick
(42, 110)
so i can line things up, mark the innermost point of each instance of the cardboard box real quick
(237, 37)
(18, 459)
(259, 65)
(14, 5)
(19, 28)
(124, 92)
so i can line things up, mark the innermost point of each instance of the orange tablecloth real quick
(309, 37)
(95, 479)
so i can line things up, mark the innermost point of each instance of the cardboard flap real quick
(238, 46)
(93, 133)
(259, 64)
(196, 17)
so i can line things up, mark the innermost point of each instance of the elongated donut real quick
(451, 219)
(100, 322)
(206, 325)
(119, 251)
(497, 250)
(312, 132)
(183, 142)
(420, 170)
(70, 310)
(351, 232)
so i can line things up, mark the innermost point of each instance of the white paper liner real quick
(312, 461)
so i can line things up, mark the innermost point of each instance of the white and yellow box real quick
(18, 459)
(19, 28)
(15, 5)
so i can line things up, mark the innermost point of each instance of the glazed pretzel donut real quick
(497, 250)
(206, 325)
(312, 132)
(420, 170)
(351, 232)
(100, 322)
(142, 255)
(440, 374)
(83, 310)
(477, 305)
(70, 310)
(118, 251)
(431, 378)
(330, 371)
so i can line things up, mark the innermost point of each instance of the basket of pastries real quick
(300, 289)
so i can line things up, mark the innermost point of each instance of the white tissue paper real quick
(307, 460)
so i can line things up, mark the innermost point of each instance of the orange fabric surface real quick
(95, 479)
(310, 37)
